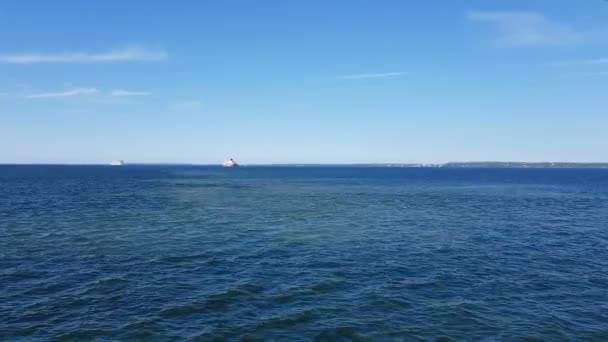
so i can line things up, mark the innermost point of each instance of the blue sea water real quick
(327, 254)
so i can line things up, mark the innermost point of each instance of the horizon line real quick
(419, 164)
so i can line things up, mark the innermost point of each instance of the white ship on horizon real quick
(230, 163)
(117, 162)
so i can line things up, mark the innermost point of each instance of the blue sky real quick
(303, 81)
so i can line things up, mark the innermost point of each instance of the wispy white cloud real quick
(121, 55)
(121, 93)
(82, 91)
(372, 75)
(68, 93)
(528, 29)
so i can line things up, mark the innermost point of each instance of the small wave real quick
(290, 321)
(341, 334)
(218, 302)
(187, 258)
(328, 286)
(85, 335)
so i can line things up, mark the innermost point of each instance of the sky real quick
(316, 81)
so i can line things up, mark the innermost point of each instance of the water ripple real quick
(325, 254)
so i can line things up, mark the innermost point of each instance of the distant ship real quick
(117, 162)
(230, 163)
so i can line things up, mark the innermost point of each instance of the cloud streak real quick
(124, 93)
(369, 76)
(82, 92)
(527, 29)
(68, 93)
(120, 55)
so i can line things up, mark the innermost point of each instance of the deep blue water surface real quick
(165, 253)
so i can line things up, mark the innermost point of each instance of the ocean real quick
(299, 254)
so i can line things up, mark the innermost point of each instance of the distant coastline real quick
(536, 165)
(541, 165)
